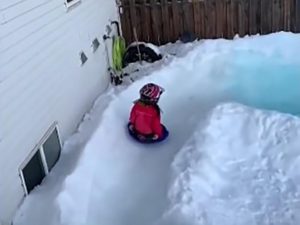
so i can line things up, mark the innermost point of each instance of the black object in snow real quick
(147, 54)
(187, 37)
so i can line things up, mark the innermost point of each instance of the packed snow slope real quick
(115, 175)
(221, 160)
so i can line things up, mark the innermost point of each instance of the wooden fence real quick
(163, 21)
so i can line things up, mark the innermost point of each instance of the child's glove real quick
(131, 127)
(155, 137)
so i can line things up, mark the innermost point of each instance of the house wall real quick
(42, 80)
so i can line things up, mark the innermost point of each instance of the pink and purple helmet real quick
(151, 92)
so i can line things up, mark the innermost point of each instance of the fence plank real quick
(252, 17)
(154, 22)
(188, 17)
(128, 16)
(139, 22)
(293, 15)
(224, 20)
(180, 18)
(132, 17)
(206, 17)
(210, 19)
(234, 17)
(286, 17)
(297, 15)
(124, 22)
(259, 15)
(171, 27)
(213, 6)
(176, 21)
(184, 13)
(275, 15)
(191, 17)
(281, 3)
(241, 19)
(229, 19)
(197, 18)
(209, 22)
(146, 17)
(235, 21)
(202, 18)
(266, 19)
(165, 19)
(220, 17)
(159, 23)
(246, 8)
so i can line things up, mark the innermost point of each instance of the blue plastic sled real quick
(147, 140)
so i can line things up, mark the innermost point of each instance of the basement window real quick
(33, 173)
(41, 160)
(52, 149)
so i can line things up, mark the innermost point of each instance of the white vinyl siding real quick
(42, 79)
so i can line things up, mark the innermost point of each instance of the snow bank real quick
(241, 168)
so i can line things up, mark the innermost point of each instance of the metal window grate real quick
(83, 58)
(95, 44)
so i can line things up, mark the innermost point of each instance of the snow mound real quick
(242, 168)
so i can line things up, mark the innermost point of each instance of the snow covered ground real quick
(227, 161)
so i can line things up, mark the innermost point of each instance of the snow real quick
(231, 156)
(251, 178)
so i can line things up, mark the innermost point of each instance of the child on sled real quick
(145, 116)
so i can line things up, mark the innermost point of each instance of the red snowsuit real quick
(146, 119)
